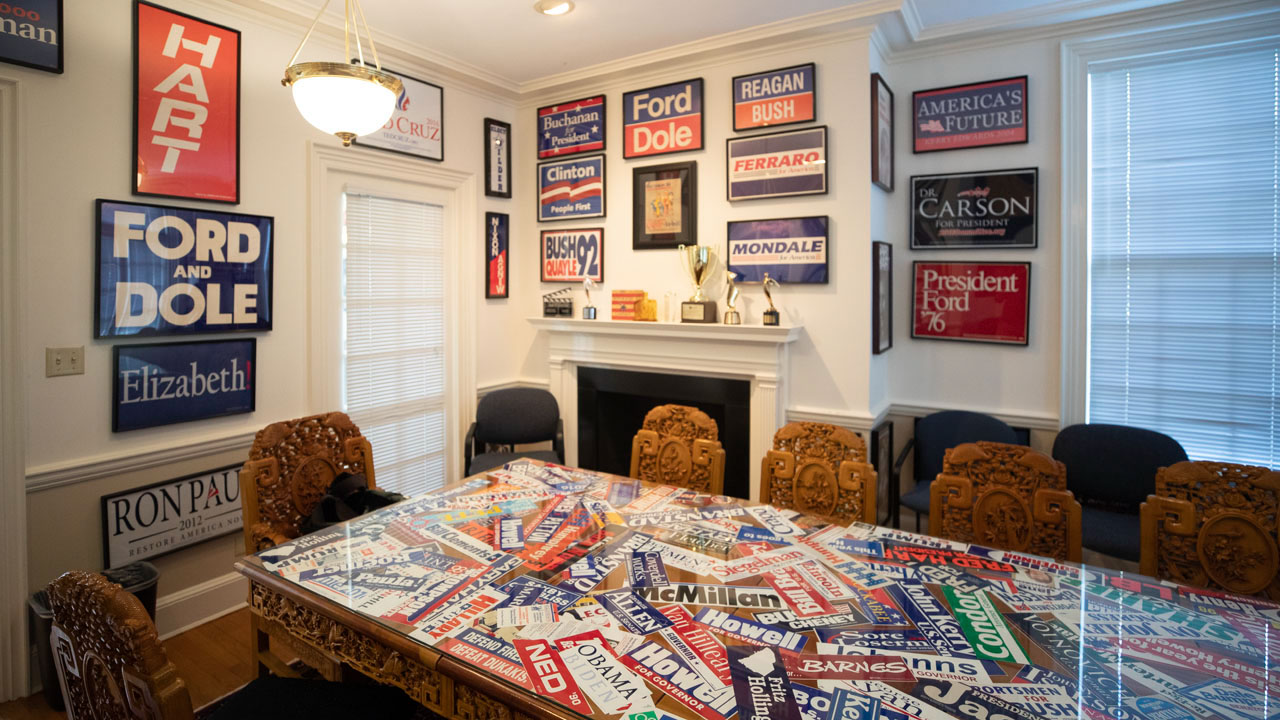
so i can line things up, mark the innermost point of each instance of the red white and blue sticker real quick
(790, 250)
(633, 612)
(571, 189)
(509, 533)
(572, 127)
(776, 97)
(778, 164)
(646, 569)
(661, 120)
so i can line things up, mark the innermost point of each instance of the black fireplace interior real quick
(612, 405)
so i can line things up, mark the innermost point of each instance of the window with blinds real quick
(393, 336)
(1184, 249)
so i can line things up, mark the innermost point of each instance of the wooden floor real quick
(213, 660)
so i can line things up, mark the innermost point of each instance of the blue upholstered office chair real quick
(934, 435)
(510, 417)
(1111, 469)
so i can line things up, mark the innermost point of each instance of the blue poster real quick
(570, 128)
(178, 271)
(496, 258)
(31, 34)
(778, 165)
(179, 382)
(571, 189)
(790, 250)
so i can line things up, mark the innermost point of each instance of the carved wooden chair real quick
(822, 470)
(679, 445)
(1212, 524)
(1006, 496)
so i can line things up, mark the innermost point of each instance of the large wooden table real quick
(672, 603)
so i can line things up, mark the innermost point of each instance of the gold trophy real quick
(588, 312)
(731, 316)
(697, 261)
(771, 316)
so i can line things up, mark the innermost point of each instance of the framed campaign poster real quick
(32, 34)
(573, 255)
(777, 97)
(881, 133)
(968, 116)
(778, 164)
(571, 189)
(176, 271)
(993, 208)
(186, 106)
(571, 127)
(664, 206)
(978, 302)
(881, 297)
(790, 250)
(497, 158)
(179, 382)
(157, 519)
(881, 458)
(497, 263)
(416, 126)
(663, 119)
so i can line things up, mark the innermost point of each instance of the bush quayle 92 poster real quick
(171, 383)
(172, 271)
(157, 519)
(663, 119)
(777, 97)
(994, 208)
(571, 189)
(791, 250)
(968, 116)
(778, 164)
(573, 255)
(978, 302)
(570, 128)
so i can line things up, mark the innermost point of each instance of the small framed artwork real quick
(882, 461)
(570, 128)
(662, 120)
(186, 106)
(777, 97)
(976, 302)
(170, 383)
(989, 209)
(416, 126)
(881, 133)
(791, 250)
(778, 164)
(34, 39)
(571, 189)
(497, 158)
(969, 116)
(664, 206)
(497, 261)
(881, 297)
(573, 255)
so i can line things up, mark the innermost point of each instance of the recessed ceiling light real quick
(553, 7)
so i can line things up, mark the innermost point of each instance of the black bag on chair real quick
(348, 496)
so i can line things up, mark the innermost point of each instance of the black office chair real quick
(509, 417)
(934, 435)
(1111, 469)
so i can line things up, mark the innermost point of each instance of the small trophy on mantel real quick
(697, 261)
(731, 316)
(588, 312)
(771, 316)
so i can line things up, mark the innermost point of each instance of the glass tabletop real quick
(621, 599)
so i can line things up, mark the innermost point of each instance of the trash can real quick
(139, 578)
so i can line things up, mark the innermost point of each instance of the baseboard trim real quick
(182, 610)
(103, 466)
(486, 388)
(1031, 421)
(859, 422)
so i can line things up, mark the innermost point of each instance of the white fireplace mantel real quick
(755, 353)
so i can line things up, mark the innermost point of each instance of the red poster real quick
(187, 106)
(979, 302)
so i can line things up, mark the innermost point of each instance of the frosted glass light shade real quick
(342, 99)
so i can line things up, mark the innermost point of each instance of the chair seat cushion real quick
(277, 698)
(491, 460)
(918, 498)
(1111, 533)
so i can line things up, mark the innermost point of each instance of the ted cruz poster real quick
(966, 116)
(187, 114)
(791, 250)
(573, 255)
(416, 126)
(179, 382)
(31, 34)
(778, 164)
(996, 208)
(173, 271)
(570, 128)
(980, 302)
(156, 519)
(777, 97)
(661, 120)
(497, 262)
(570, 189)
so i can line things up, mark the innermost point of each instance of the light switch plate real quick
(63, 361)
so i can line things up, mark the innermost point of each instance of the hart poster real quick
(978, 302)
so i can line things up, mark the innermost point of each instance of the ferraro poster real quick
(978, 302)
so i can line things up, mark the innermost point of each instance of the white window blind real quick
(393, 337)
(1184, 241)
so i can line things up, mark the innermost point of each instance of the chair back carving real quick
(110, 662)
(679, 445)
(820, 469)
(1006, 496)
(289, 470)
(1213, 524)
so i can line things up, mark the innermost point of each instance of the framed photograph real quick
(497, 158)
(573, 255)
(978, 302)
(777, 97)
(177, 271)
(186, 106)
(993, 208)
(170, 383)
(159, 518)
(570, 128)
(968, 116)
(416, 126)
(571, 189)
(792, 250)
(662, 120)
(497, 264)
(882, 460)
(881, 133)
(778, 164)
(664, 206)
(881, 297)
(34, 39)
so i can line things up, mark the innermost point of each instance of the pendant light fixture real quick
(343, 99)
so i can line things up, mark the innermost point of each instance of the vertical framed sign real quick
(31, 34)
(186, 109)
(497, 261)
(497, 158)
(881, 133)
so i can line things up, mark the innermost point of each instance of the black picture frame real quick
(813, 100)
(779, 186)
(116, 402)
(977, 142)
(104, 501)
(1016, 187)
(497, 255)
(687, 174)
(1026, 305)
(16, 59)
(499, 151)
(882, 137)
(882, 460)
(597, 278)
(591, 146)
(372, 140)
(589, 161)
(881, 297)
